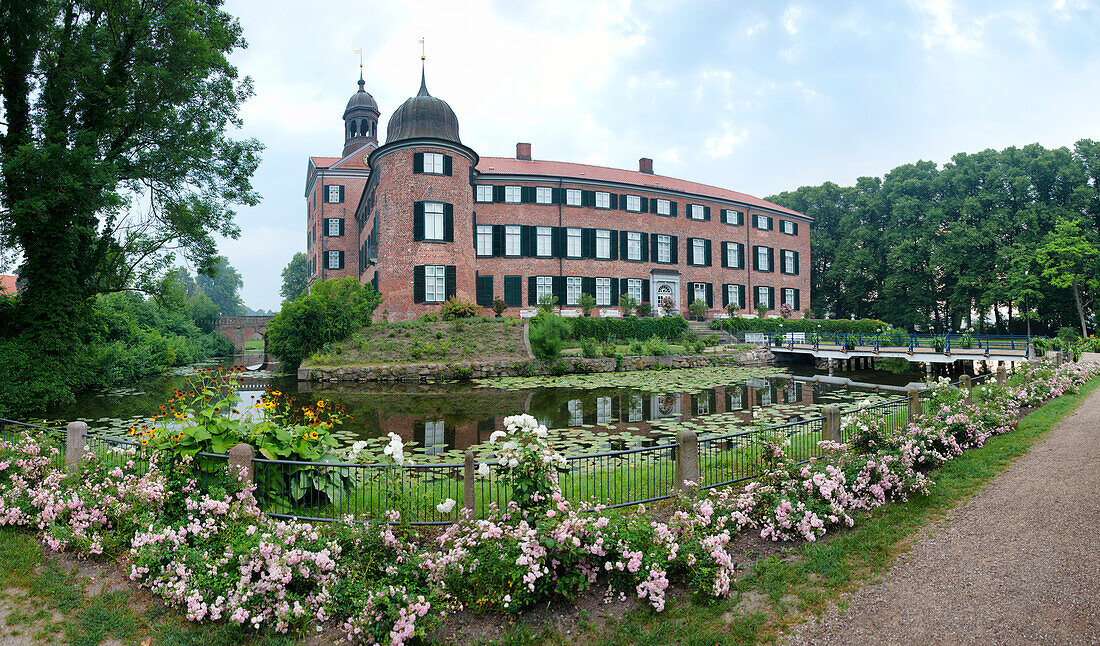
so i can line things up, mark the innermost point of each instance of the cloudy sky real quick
(758, 97)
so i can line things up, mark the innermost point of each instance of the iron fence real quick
(621, 478)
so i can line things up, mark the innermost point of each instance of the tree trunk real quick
(1080, 309)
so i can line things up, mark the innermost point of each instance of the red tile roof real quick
(324, 162)
(509, 166)
(7, 284)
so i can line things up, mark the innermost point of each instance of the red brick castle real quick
(424, 218)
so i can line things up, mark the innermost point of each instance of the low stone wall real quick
(426, 372)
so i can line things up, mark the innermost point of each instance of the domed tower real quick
(360, 120)
(423, 209)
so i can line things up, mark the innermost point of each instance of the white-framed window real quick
(702, 403)
(433, 163)
(664, 248)
(434, 283)
(433, 220)
(633, 245)
(572, 197)
(484, 193)
(576, 412)
(603, 244)
(762, 258)
(733, 255)
(333, 259)
(512, 194)
(334, 226)
(730, 216)
(603, 291)
(435, 435)
(761, 221)
(511, 240)
(634, 409)
(633, 203)
(664, 207)
(634, 288)
(763, 294)
(603, 200)
(788, 296)
(696, 212)
(733, 295)
(603, 410)
(788, 262)
(698, 251)
(699, 292)
(542, 195)
(333, 193)
(542, 241)
(484, 240)
(544, 286)
(573, 243)
(786, 226)
(572, 290)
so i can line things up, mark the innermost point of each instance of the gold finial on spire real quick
(360, 52)
(422, 49)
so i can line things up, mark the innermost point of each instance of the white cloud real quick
(723, 144)
(944, 29)
(790, 19)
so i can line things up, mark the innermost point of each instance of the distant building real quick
(8, 285)
(424, 218)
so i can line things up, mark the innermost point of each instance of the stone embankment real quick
(427, 372)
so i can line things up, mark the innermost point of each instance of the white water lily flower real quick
(446, 506)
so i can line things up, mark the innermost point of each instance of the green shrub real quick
(499, 306)
(429, 317)
(547, 302)
(826, 326)
(586, 302)
(636, 348)
(602, 329)
(608, 349)
(1068, 335)
(546, 334)
(643, 308)
(711, 340)
(655, 346)
(589, 347)
(627, 304)
(698, 308)
(332, 311)
(454, 308)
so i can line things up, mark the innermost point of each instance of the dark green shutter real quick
(623, 245)
(341, 227)
(418, 284)
(418, 220)
(674, 243)
(614, 284)
(588, 198)
(340, 261)
(794, 228)
(614, 201)
(588, 286)
(498, 193)
(513, 291)
(498, 240)
(771, 259)
(526, 194)
(450, 282)
(588, 243)
(706, 212)
(613, 245)
(418, 162)
(448, 223)
(652, 246)
(485, 291)
(740, 256)
(706, 253)
(446, 164)
(341, 193)
(527, 241)
(531, 300)
(643, 243)
(645, 290)
(710, 295)
(645, 205)
(725, 255)
(797, 300)
(672, 208)
(725, 294)
(797, 269)
(557, 243)
(557, 288)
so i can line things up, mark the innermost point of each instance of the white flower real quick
(446, 506)
(482, 470)
(358, 446)
(496, 436)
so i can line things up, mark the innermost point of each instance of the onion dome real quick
(423, 116)
(360, 100)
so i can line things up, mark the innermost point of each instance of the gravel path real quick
(1018, 564)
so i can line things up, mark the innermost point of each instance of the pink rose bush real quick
(210, 551)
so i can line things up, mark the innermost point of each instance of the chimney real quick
(523, 151)
(645, 165)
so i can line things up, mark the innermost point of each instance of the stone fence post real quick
(75, 444)
(830, 426)
(967, 386)
(240, 460)
(1057, 355)
(914, 403)
(1002, 375)
(687, 459)
(468, 482)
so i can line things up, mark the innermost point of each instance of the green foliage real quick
(655, 346)
(590, 347)
(827, 326)
(643, 308)
(547, 302)
(454, 308)
(203, 312)
(586, 302)
(698, 308)
(602, 329)
(332, 311)
(222, 284)
(608, 349)
(628, 304)
(295, 275)
(547, 333)
(1068, 335)
(499, 306)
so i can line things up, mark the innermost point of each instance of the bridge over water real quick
(922, 348)
(243, 328)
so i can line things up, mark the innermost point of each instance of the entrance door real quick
(666, 287)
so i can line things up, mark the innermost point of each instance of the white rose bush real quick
(210, 551)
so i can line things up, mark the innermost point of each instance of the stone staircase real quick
(702, 330)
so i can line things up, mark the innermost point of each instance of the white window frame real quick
(634, 409)
(603, 200)
(729, 215)
(603, 410)
(576, 412)
(763, 294)
(433, 221)
(699, 292)
(634, 203)
(696, 212)
(603, 251)
(733, 295)
(573, 243)
(484, 193)
(732, 257)
(333, 227)
(543, 242)
(787, 226)
(788, 291)
(332, 260)
(603, 292)
(698, 251)
(435, 436)
(634, 288)
(633, 245)
(433, 163)
(664, 248)
(484, 239)
(761, 258)
(572, 290)
(760, 221)
(664, 207)
(544, 286)
(333, 194)
(543, 195)
(512, 245)
(788, 262)
(572, 197)
(513, 195)
(435, 283)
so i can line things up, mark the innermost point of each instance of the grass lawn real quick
(778, 591)
(254, 344)
(477, 339)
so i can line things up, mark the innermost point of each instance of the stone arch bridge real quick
(243, 328)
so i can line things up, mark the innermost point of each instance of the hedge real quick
(861, 326)
(631, 327)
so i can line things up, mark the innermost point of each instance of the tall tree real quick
(114, 153)
(223, 287)
(1069, 257)
(294, 277)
